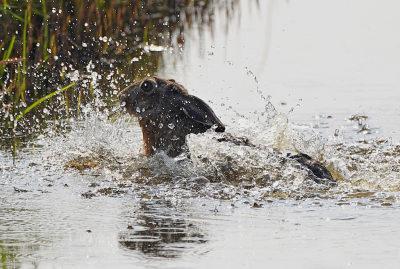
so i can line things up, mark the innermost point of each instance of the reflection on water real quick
(159, 231)
(10, 250)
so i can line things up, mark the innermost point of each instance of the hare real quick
(167, 113)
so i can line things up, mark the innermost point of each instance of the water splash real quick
(109, 149)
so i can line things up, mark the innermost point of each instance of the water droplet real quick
(135, 59)
(160, 125)
(171, 126)
(138, 109)
(123, 104)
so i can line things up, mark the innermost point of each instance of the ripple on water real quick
(162, 230)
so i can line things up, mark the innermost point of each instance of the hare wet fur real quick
(167, 113)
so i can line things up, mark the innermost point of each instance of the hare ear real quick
(198, 110)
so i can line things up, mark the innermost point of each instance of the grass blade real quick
(5, 10)
(42, 100)
(45, 31)
(6, 56)
(12, 60)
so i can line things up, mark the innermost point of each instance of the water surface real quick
(316, 77)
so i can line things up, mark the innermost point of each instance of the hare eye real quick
(147, 86)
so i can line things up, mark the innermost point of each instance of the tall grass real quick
(98, 45)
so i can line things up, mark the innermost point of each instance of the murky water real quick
(291, 75)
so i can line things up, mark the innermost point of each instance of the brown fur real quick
(166, 114)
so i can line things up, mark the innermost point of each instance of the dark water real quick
(88, 199)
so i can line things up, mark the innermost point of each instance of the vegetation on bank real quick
(58, 56)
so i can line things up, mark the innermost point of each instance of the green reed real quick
(45, 31)
(6, 58)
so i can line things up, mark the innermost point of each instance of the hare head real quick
(167, 113)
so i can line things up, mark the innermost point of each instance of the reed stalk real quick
(6, 58)
(79, 103)
(19, 95)
(45, 31)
